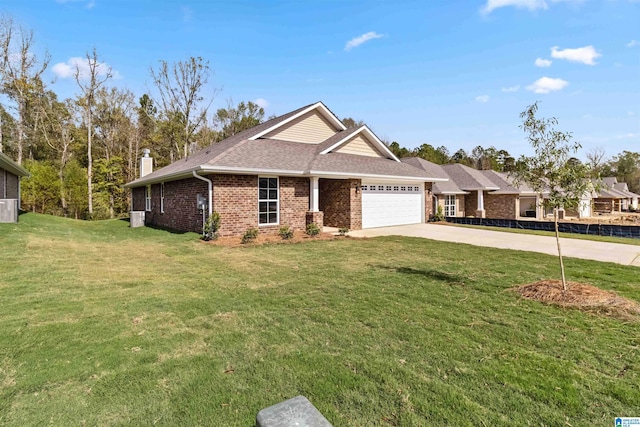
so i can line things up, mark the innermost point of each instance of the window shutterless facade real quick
(162, 197)
(268, 200)
(147, 199)
(449, 205)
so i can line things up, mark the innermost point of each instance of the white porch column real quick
(480, 211)
(314, 200)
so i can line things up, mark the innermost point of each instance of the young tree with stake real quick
(550, 169)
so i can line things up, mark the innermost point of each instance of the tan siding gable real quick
(310, 128)
(360, 146)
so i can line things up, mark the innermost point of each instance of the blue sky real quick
(452, 73)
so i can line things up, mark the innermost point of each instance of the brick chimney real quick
(146, 163)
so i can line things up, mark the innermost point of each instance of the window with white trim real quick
(449, 205)
(268, 200)
(162, 197)
(147, 199)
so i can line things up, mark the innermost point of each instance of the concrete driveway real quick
(585, 249)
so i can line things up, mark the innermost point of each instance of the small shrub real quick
(343, 231)
(211, 227)
(285, 232)
(439, 216)
(312, 229)
(250, 235)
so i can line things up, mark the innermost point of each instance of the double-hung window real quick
(162, 197)
(147, 199)
(450, 205)
(268, 200)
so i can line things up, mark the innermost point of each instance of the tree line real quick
(80, 151)
(624, 166)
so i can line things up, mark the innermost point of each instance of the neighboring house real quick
(10, 174)
(614, 196)
(483, 194)
(304, 166)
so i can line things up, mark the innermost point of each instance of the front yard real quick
(105, 325)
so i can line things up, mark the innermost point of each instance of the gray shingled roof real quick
(443, 187)
(7, 164)
(469, 179)
(610, 188)
(501, 180)
(624, 189)
(242, 154)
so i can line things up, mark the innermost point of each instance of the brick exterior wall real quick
(341, 203)
(9, 184)
(180, 204)
(137, 199)
(428, 201)
(501, 206)
(315, 217)
(235, 198)
(471, 203)
(3, 187)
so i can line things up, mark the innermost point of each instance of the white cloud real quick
(187, 13)
(483, 99)
(632, 43)
(511, 89)
(357, 41)
(262, 103)
(547, 84)
(90, 4)
(520, 4)
(543, 62)
(586, 54)
(66, 70)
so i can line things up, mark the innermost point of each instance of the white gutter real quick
(208, 181)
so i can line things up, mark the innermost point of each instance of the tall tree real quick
(114, 131)
(90, 76)
(232, 120)
(399, 151)
(20, 75)
(56, 125)
(551, 169)
(352, 123)
(626, 167)
(180, 86)
(596, 161)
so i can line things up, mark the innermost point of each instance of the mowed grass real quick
(105, 325)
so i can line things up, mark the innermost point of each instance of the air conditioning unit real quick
(9, 210)
(136, 219)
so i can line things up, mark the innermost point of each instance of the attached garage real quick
(386, 204)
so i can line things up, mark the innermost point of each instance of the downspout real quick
(208, 181)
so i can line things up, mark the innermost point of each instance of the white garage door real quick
(385, 204)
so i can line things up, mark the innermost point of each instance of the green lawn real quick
(105, 325)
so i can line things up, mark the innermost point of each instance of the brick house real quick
(304, 166)
(10, 174)
(483, 194)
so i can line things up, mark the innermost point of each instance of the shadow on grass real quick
(430, 274)
(158, 227)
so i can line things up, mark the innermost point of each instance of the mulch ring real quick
(268, 239)
(582, 297)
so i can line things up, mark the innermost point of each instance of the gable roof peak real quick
(282, 120)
